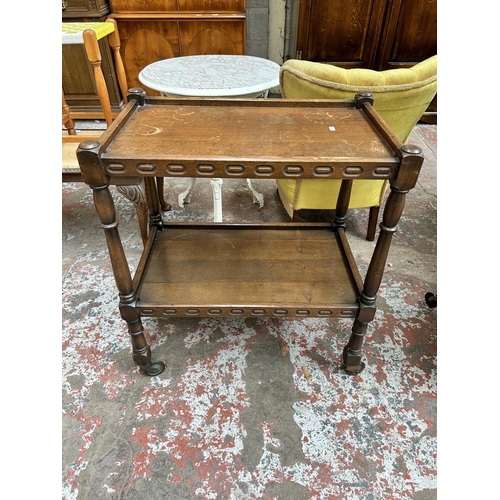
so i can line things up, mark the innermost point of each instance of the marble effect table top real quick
(211, 75)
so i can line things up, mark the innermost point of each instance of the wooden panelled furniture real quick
(150, 31)
(280, 270)
(160, 29)
(379, 34)
(88, 35)
(78, 80)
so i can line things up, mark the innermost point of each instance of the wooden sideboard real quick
(149, 31)
(161, 29)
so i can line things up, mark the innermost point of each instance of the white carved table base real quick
(185, 196)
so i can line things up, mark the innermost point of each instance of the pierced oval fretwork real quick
(205, 169)
(176, 168)
(169, 312)
(323, 171)
(280, 312)
(146, 168)
(116, 168)
(325, 312)
(214, 312)
(382, 171)
(302, 312)
(236, 312)
(293, 170)
(235, 169)
(353, 171)
(264, 170)
(258, 312)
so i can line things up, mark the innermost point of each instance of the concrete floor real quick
(231, 417)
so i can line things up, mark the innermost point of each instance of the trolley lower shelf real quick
(248, 270)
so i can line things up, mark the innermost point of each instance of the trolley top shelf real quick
(256, 138)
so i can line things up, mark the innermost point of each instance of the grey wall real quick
(257, 12)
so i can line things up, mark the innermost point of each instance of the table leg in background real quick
(217, 190)
(185, 196)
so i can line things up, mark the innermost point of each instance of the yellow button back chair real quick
(400, 96)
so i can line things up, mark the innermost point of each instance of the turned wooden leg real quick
(95, 176)
(114, 43)
(66, 116)
(141, 351)
(372, 223)
(367, 301)
(352, 355)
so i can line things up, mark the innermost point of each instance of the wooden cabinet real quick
(137, 6)
(374, 34)
(77, 73)
(341, 32)
(409, 34)
(161, 29)
(77, 9)
(150, 30)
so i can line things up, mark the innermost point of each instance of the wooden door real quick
(408, 37)
(341, 32)
(409, 34)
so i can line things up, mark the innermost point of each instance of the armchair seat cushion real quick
(322, 194)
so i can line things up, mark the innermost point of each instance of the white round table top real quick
(211, 75)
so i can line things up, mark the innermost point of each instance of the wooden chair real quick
(88, 34)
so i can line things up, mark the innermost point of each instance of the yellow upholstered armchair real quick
(400, 96)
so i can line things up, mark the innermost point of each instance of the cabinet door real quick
(212, 37)
(144, 41)
(341, 32)
(78, 80)
(159, 6)
(409, 34)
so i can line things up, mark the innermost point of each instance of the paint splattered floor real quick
(231, 417)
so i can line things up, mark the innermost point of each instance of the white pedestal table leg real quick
(217, 190)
